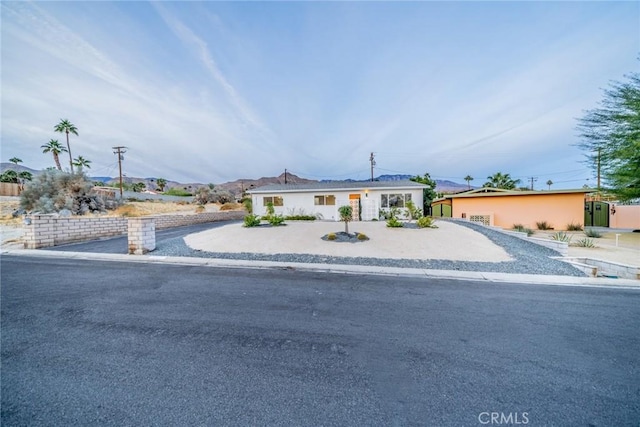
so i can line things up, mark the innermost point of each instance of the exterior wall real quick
(50, 230)
(295, 203)
(626, 216)
(557, 209)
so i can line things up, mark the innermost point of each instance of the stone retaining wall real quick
(43, 231)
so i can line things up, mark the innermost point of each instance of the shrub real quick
(412, 211)
(276, 220)
(543, 225)
(393, 222)
(362, 236)
(230, 207)
(200, 208)
(300, 217)
(248, 204)
(331, 236)
(53, 191)
(522, 229)
(251, 220)
(425, 222)
(561, 236)
(590, 232)
(270, 210)
(585, 243)
(175, 191)
(574, 227)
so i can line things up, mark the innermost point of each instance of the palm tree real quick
(54, 148)
(161, 182)
(468, 178)
(549, 183)
(81, 162)
(500, 180)
(65, 126)
(15, 160)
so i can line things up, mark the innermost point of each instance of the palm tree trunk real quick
(56, 159)
(69, 150)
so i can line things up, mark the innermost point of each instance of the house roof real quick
(337, 185)
(499, 192)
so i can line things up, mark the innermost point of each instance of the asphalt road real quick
(105, 343)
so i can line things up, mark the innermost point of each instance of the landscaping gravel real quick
(528, 258)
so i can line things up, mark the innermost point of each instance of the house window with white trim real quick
(276, 200)
(394, 200)
(322, 200)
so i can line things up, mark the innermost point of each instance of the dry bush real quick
(232, 207)
(128, 211)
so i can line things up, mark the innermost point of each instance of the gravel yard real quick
(521, 256)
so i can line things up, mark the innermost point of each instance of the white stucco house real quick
(366, 197)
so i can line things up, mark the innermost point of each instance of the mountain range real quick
(240, 185)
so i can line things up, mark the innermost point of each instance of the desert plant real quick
(412, 211)
(522, 229)
(574, 227)
(362, 236)
(345, 215)
(276, 220)
(251, 220)
(590, 232)
(585, 243)
(270, 210)
(248, 204)
(53, 190)
(393, 222)
(300, 218)
(65, 126)
(331, 236)
(425, 222)
(202, 196)
(200, 208)
(543, 225)
(220, 196)
(230, 207)
(561, 236)
(55, 148)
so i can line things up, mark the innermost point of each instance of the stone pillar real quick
(142, 235)
(39, 231)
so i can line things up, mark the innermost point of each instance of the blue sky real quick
(216, 91)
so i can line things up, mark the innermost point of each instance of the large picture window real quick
(276, 200)
(394, 200)
(321, 200)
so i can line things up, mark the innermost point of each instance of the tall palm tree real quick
(500, 180)
(549, 183)
(81, 162)
(65, 126)
(54, 147)
(468, 178)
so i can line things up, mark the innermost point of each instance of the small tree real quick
(161, 182)
(15, 160)
(549, 183)
(346, 213)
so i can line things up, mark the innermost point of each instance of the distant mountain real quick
(18, 168)
(238, 186)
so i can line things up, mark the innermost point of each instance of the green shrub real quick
(276, 220)
(331, 236)
(248, 204)
(362, 236)
(561, 236)
(300, 217)
(270, 210)
(393, 222)
(251, 220)
(522, 229)
(590, 232)
(574, 227)
(425, 222)
(346, 213)
(585, 243)
(412, 211)
(175, 191)
(543, 225)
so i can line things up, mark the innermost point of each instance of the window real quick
(322, 200)
(394, 200)
(276, 200)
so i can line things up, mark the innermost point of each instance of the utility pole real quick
(373, 163)
(533, 178)
(285, 176)
(120, 150)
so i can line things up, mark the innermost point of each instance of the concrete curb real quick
(533, 279)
